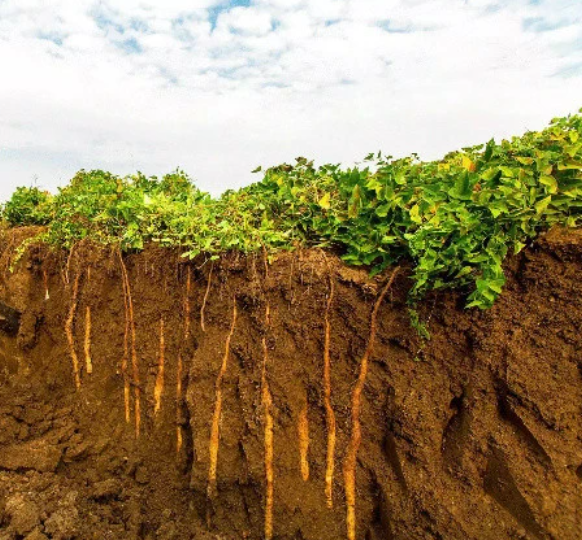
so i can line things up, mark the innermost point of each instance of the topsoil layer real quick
(473, 434)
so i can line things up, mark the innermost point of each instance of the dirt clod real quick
(24, 514)
(63, 523)
(39, 455)
(106, 489)
(36, 535)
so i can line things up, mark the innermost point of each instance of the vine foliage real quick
(454, 219)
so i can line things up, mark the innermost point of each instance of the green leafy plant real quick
(28, 206)
(455, 219)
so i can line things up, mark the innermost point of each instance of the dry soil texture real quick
(224, 432)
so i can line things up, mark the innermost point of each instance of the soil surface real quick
(473, 434)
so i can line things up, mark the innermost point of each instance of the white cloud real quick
(218, 88)
(245, 20)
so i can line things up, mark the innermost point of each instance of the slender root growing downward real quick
(329, 412)
(68, 264)
(203, 308)
(303, 434)
(267, 402)
(134, 359)
(88, 360)
(215, 430)
(87, 348)
(125, 358)
(179, 435)
(47, 295)
(159, 387)
(69, 331)
(187, 312)
(349, 468)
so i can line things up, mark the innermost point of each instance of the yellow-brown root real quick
(68, 264)
(159, 387)
(303, 435)
(215, 429)
(69, 331)
(329, 412)
(267, 402)
(349, 468)
(179, 436)
(134, 359)
(47, 296)
(203, 308)
(179, 439)
(187, 315)
(187, 310)
(88, 360)
(125, 358)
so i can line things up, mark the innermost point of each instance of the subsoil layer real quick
(473, 434)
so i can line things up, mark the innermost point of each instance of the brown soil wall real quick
(474, 434)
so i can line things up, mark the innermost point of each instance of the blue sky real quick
(217, 88)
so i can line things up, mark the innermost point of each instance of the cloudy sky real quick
(218, 87)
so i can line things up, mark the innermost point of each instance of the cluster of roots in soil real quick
(243, 398)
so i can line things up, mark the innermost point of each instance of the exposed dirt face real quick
(473, 434)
